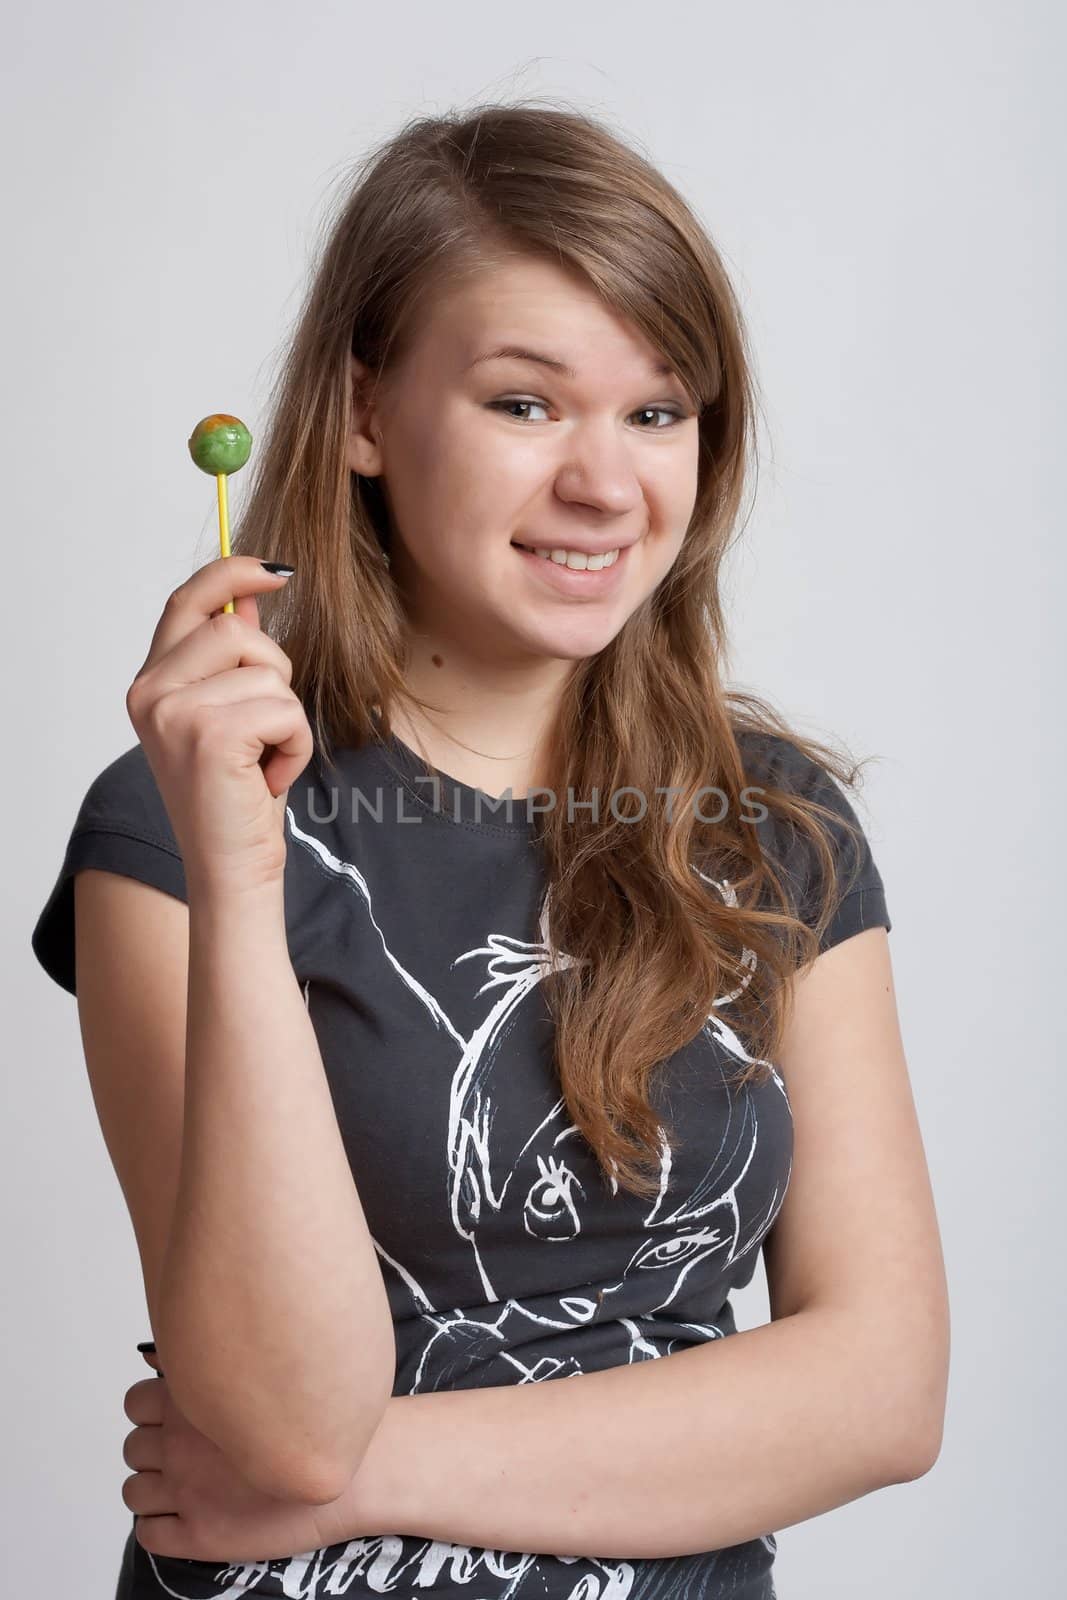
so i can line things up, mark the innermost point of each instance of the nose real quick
(598, 470)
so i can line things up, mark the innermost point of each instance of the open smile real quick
(573, 580)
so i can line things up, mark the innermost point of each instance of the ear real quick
(364, 437)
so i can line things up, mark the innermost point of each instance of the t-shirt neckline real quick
(447, 797)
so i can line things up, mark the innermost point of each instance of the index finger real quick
(205, 592)
(144, 1401)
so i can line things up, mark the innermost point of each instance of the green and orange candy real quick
(221, 444)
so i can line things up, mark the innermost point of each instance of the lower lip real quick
(575, 580)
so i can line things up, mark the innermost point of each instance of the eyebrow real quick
(514, 352)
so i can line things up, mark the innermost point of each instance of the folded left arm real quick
(843, 1392)
(694, 1451)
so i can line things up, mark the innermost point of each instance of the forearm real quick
(694, 1451)
(275, 1335)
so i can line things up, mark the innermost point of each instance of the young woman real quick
(471, 984)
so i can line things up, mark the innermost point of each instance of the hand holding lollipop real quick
(221, 444)
(213, 704)
(223, 731)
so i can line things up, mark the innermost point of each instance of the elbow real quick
(917, 1454)
(305, 1464)
(921, 1416)
(905, 1407)
(299, 1477)
(302, 1469)
(320, 1477)
(915, 1434)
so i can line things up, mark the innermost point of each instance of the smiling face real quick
(481, 452)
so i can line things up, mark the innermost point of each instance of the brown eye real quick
(503, 405)
(663, 411)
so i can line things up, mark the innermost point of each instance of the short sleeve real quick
(858, 892)
(121, 826)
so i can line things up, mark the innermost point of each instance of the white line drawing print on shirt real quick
(537, 1189)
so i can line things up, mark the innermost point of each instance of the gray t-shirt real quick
(414, 914)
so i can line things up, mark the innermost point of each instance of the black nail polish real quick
(148, 1345)
(278, 567)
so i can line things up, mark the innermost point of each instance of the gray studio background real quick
(882, 181)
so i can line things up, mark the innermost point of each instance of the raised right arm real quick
(264, 1292)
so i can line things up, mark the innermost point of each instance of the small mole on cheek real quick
(436, 659)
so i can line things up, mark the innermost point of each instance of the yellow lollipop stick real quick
(221, 444)
(224, 524)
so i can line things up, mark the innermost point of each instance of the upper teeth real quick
(574, 558)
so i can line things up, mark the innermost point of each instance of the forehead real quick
(529, 305)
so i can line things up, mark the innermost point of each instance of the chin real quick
(575, 643)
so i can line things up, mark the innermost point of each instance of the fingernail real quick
(279, 567)
(148, 1345)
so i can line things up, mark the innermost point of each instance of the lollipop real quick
(221, 444)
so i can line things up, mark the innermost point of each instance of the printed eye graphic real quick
(549, 1211)
(680, 1251)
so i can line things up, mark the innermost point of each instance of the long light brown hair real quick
(651, 946)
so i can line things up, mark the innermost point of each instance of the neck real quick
(483, 722)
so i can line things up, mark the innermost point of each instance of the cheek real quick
(430, 491)
(672, 509)
(461, 467)
(495, 478)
